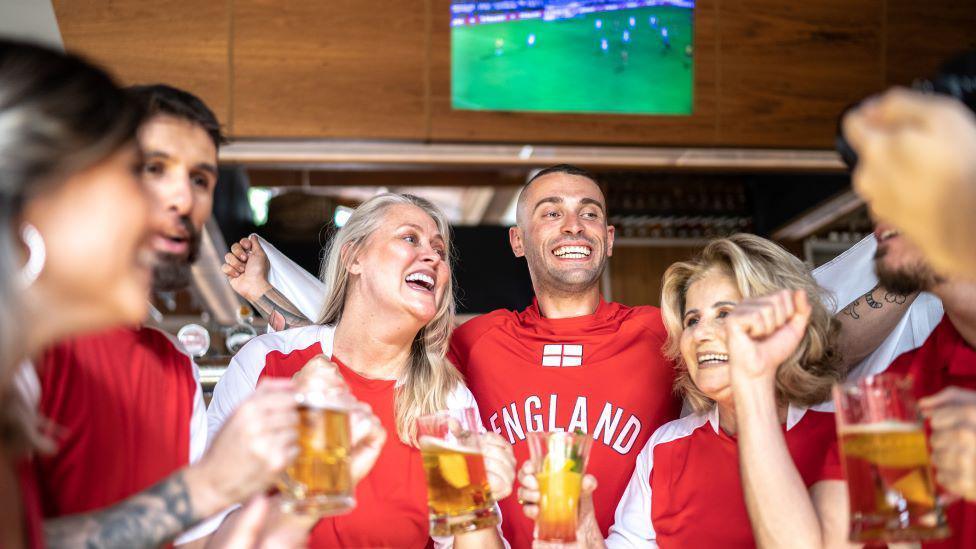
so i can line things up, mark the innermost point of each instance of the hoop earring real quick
(36, 254)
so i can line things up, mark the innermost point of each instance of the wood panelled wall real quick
(770, 73)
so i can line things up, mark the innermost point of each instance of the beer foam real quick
(434, 443)
(881, 427)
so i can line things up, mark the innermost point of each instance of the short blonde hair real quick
(758, 267)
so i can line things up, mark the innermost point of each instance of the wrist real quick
(205, 496)
(254, 291)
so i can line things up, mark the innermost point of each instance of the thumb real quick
(256, 248)
(802, 311)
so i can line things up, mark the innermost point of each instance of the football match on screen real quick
(584, 56)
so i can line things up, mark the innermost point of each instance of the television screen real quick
(588, 56)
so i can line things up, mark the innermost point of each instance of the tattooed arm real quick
(868, 320)
(246, 267)
(248, 454)
(147, 519)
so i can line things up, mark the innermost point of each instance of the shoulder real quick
(162, 341)
(485, 322)
(647, 316)
(461, 397)
(284, 342)
(678, 429)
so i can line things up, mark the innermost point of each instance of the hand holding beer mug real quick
(559, 462)
(339, 440)
(458, 492)
(886, 462)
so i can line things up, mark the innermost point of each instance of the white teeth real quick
(715, 357)
(422, 278)
(572, 252)
(888, 234)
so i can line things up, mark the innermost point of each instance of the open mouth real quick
(171, 244)
(420, 282)
(572, 252)
(712, 359)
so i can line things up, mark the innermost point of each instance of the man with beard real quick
(126, 405)
(943, 370)
(570, 361)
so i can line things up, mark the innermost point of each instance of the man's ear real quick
(515, 239)
(610, 232)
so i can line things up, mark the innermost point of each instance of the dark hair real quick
(164, 99)
(59, 115)
(567, 169)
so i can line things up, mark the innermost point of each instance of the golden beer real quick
(458, 494)
(890, 482)
(320, 480)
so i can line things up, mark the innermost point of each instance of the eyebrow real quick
(715, 305)
(559, 200)
(205, 166)
(421, 229)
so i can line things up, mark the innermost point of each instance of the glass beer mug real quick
(886, 461)
(458, 495)
(319, 481)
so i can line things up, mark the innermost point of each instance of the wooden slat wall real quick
(636, 273)
(179, 42)
(770, 73)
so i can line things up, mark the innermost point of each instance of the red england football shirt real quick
(391, 502)
(944, 360)
(602, 373)
(127, 411)
(686, 490)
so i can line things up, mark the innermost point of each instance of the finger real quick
(245, 243)
(239, 252)
(256, 249)
(800, 317)
(233, 261)
(526, 495)
(589, 484)
(229, 271)
(949, 395)
(769, 315)
(949, 417)
(900, 107)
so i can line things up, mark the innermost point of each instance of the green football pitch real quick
(563, 65)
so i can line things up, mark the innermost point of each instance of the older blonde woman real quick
(757, 463)
(386, 324)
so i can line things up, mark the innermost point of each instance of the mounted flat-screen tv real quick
(583, 56)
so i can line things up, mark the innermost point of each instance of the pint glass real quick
(560, 461)
(886, 462)
(319, 481)
(458, 495)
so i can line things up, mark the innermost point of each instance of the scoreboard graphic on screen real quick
(584, 56)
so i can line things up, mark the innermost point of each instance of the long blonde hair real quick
(758, 267)
(429, 377)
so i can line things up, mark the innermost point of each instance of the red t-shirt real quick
(30, 503)
(686, 490)
(944, 360)
(391, 502)
(603, 373)
(127, 411)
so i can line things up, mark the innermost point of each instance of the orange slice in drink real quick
(454, 469)
(915, 488)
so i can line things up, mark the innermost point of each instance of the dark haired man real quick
(127, 404)
(569, 361)
(943, 370)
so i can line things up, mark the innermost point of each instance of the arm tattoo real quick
(147, 519)
(869, 298)
(280, 312)
(851, 310)
(896, 298)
